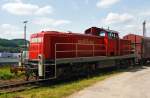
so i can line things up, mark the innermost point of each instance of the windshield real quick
(102, 33)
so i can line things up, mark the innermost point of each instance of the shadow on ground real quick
(98, 73)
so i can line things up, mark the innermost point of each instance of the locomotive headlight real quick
(20, 63)
(39, 57)
(19, 56)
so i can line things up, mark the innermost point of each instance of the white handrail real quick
(76, 50)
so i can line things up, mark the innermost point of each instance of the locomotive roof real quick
(101, 29)
(60, 33)
(133, 35)
(72, 33)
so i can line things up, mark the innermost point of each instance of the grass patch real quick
(5, 73)
(60, 90)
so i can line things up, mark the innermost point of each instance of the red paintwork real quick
(114, 46)
(106, 45)
(47, 47)
(136, 40)
(125, 47)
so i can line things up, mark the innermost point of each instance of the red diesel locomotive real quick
(53, 54)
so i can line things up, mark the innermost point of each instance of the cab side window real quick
(116, 35)
(112, 35)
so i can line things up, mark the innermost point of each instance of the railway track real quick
(26, 85)
(20, 86)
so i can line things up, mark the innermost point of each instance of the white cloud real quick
(10, 31)
(115, 18)
(133, 29)
(48, 21)
(145, 13)
(130, 26)
(51, 29)
(17, 0)
(44, 10)
(148, 28)
(14, 0)
(106, 3)
(148, 25)
(19, 8)
(7, 28)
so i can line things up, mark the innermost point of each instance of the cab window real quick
(102, 33)
(112, 35)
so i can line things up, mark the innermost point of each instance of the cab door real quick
(113, 44)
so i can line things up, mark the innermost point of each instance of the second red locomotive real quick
(141, 47)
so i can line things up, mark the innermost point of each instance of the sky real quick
(124, 16)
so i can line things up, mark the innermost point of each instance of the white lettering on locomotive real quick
(36, 40)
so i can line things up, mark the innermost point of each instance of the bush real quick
(6, 76)
(5, 73)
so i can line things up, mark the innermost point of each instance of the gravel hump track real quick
(134, 83)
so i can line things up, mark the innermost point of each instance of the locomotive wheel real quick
(30, 75)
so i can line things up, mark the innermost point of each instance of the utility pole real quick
(25, 30)
(144, 29)
(144, 35)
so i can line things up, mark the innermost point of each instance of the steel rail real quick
(17, 85)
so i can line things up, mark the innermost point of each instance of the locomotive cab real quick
(102, 32)
(111, 39)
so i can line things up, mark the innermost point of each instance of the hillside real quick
(13, 45)
(19, 42)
